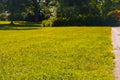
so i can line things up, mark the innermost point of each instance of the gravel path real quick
(116, 46)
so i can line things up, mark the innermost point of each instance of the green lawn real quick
(58, 53)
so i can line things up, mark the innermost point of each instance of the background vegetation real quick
(64, 12)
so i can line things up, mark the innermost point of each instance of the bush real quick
(81, 20)
(62, 22)
(3, 17)
(47, 23)
(93, 20)
(113, 17)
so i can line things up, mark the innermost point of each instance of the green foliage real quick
(110, 5)
(66, 12)
(71, 8)
(3, 16)
(87, 12)
(92, 20)
(2, 6)
(47, 23)
(113, 17)
(81, 20)
(79, 53)
(61, 22)
(20, 9)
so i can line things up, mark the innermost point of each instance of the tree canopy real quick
(38, 10)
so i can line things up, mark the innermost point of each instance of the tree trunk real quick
(36, 10)
(12, 17)
(12, 22)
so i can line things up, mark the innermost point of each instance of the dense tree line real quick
(65, 11)
(30, 10)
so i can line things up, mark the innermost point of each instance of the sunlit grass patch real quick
(67, 53)
(4, 22)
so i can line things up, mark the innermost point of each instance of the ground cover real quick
(56, 53)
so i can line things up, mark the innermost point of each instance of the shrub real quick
(81, 20)
(47, 23)
(113, 17)
(3, 17)
(92, 20)
(61, 22)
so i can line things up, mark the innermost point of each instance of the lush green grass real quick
(64, 53)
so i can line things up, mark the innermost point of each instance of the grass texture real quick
(56, 53)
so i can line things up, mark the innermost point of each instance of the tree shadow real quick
(85, 26)
(19, 26)
(27, 22)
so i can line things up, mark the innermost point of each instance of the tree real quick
(11, 5)
(2, 6)
(14, 7)
(75, 7)
(36, 9)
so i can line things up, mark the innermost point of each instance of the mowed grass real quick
(57, 53)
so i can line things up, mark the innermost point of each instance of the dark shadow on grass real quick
(18, 27)
(83, 26)
(115, 26)
(27, 23)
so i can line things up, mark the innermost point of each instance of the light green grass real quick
(61, 53)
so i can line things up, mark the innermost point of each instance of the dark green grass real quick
(71, 53)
